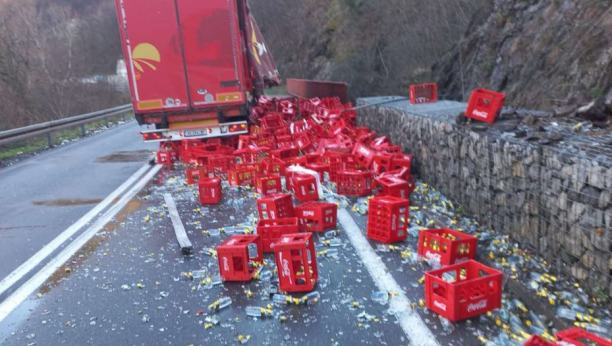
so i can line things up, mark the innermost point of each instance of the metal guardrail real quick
(48, 128)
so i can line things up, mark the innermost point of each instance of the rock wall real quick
(556, 200)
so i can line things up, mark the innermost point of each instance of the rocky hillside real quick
(541, 53)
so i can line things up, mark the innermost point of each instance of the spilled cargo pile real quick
(324, 156)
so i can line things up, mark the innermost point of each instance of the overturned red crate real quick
(317, 216)
(304, 187)
(363, 154)
(580, 337)
(381, 163)
(424, 93)
(242, 175)
(447, 246)
(354, 183)
(305, 144)
(463, 290)
(400, 161)
(220, 165)
(275, 206)
(321, 168)
(268, 184)
(390, 185)
(166, 157)
(297, 262)
(194, 175)
(272, 230)
(238, 255)
(388, 219)
(485, 105)
(210, 190)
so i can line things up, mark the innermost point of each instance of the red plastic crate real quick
(285, 141)
(268, 184)
(220, 165)
(285, 153)
(273, 166)
(537, 340)
(262, 142)
(304, 187)
(447, 246)
(166, 157)
(272, 121)
(485, 105)
(423, 93)
(390, 185)
(237, 256)
(381, 163)
(272, 230)
(275, 206)
(320, 168)
(392, 149)
(305, 144)
(354, 183)
(580, 337)
(317, 216)
(210, 190)
(476, 289)
(400, 161)
(195, 174)
(388, 219)
(297, 262)
(363, 154)
(242, 175)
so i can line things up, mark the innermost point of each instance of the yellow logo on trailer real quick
(258, 48)
(145, 54)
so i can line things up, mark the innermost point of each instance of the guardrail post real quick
(83, 130)
(106, 121)
(50, 139)
(123, 117)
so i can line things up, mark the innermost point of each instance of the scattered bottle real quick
(255, 311)
(335, 242)
(447, 325)
(330, 234)
(282, 299)
(380, 297)
(312, 297)
(594, 328)
(210, 252)
(253, 251)
(220, 304)
(265, 274)
(214, 232)
(328, 253)
(198, 274)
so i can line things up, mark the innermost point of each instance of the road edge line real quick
(58, 241)
(409, 320)
(21, 294)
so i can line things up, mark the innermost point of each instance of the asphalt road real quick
(43, 195)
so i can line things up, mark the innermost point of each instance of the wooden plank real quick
(179, 228)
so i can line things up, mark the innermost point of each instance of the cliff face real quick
(541, 53)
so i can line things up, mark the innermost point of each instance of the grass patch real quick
(277, 90)
(36, 144)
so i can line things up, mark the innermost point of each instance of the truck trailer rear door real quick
(213, 52)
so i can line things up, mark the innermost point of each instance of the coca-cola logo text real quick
(477, 306)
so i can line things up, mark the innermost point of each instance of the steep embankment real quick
(540, 53)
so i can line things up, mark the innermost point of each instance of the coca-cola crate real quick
(380, 142)
(423, 93)
(268, 184)
(305, 144)
(296, 262)
(363, 154)
(243, 141)
(381, 163)
(276, 206)
(272, 230)
(485, 105)
(388, 219)
(304, 187)
(337, 127)
(402, 173)
(272, 165)
(322, 168)
(237, 257)
(296, 161)
(392, 149)
(210, 190)
(194, 175)
(463, 290)
(166, 157)
(401, 161)
(344, 141)
(447, 246)
(251, 154)
(354, 183)
(267, 141)
(285, 141)
(272, 121)
(285, 153)
(580, 337)
(242, 175)
(317, 216)
(390, 185)
(220, 165)
(313, 157)
(536, 340)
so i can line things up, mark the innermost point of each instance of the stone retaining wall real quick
(555, 199)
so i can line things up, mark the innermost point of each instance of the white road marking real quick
(410, 321)
(48, 249)
(55, 263)
(179, 228)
